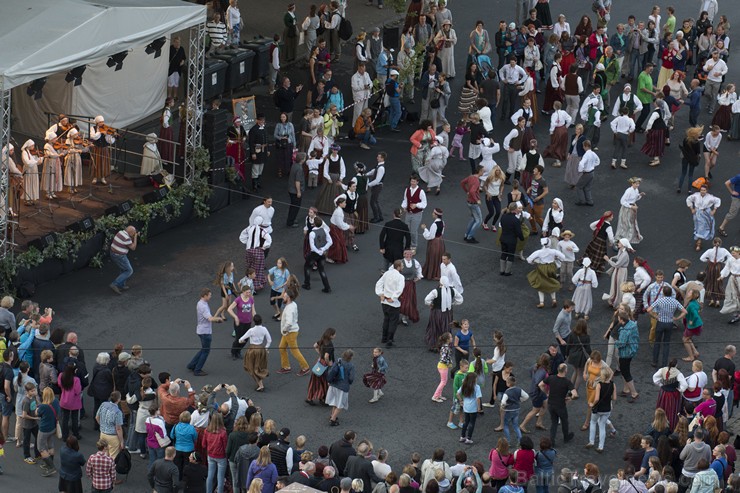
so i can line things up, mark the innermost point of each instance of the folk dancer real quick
(575, 152)
(603, 237)
(260, 150)
(591, 111)
(411, 271)
(257, 240)
(653, 293)
(703, 206)
(151, 161)
(655, 138)
(337, 229)
(15, 179)
(731, 272)
(586, 166)
(627, 226)
(529, 116)
(165, 144)
(585, 280)
(51, 176)
(544, 277)
(559, 123)
(319, 242)
(414, 202)
(618, 265)
(31, 161)
(435, 246)
(623, 128)
(100, 153)
(513, 147)
(716, 258)
(633, 105)
(440, 300)
(236, 139)
(73, 162)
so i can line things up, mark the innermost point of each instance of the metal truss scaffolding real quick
(6, 240)
(194, 118)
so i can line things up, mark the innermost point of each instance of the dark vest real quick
(532, 161)
(351, 204)
(335, 167)
(629, 104)
(516, 142)
(571, 84)
(414, 198)
(437, 302)
(440, 228)
(278, 454)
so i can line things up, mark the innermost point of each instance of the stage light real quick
(76, 75)
(35, 87)
(156, 47)
(117, 60)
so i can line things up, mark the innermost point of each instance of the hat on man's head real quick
(284, 432)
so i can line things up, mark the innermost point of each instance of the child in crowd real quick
(460, 131)
(480, 368)
(456, 409)
(445, 134)
(313, 169)
(30, 421)
(225, 281)
(443, 365)
(375, 379)
(512, 404)
(300, 445)
(469, 396)
(568, 248)
(248, 281)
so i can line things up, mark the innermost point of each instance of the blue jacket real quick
(694, 98)
(184, 436)
(349, 375)
(629, 340)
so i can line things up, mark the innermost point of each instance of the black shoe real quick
(570, 437)
(472, 240)
(374, 220)
(389, 344)
(580, 203)
(507, 273)
(326, 290)
(200, 373)
(307, 287)
(590, 204)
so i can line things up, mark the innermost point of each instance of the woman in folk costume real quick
(257, 240)
(716, 258)
(30, 172)
(731, 272)
(575, 152)
(627, 223)
(544, 277)
(100, 153)
(334, 173)
(558, 148)
(73, 162)
(672, 383)
(151, 161)
(361, 224)
(703, 206)
(165, 144)
(411, 270)
(553, 217)
(435, 245)
(723, 117)
(642, 279)
(603, 237)
(350, 213)
(585, 280)
(421, 144)
(15, 179)
(441, 301)
(337, 253)
(524, 218)
(431, 172)
(444, 42)
(655, 136)
(619, 265)
(487, 149)
(51, 176)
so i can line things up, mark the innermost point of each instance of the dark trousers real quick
(96, 406)
(312, 258)
(236, 346)
(375, 202)
(390, 321)
(510, 96)
(468, 426)
(295, 205)
(686, 169)
(694, 115)
(494, 209)
(662, 341)
(199, 360)
(555, 414)
(508, 250)
(181, 458)
(643, 117)
(27, 434)
(75, 418)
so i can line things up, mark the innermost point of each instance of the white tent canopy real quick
(47, 37)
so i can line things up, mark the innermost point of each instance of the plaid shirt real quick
(101, 470)
(665, 307)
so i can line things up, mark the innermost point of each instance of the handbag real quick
(163, 441)
(319, 368)
(434, 102)
(59, 427)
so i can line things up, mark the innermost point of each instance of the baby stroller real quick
(484, 64)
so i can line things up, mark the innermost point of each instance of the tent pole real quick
(6, 223)
(194, 118)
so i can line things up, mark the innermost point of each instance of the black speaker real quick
(41, 243)
(81, 226)
(156, 195)
(391, 38)
(120, 209)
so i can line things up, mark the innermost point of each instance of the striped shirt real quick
(665, 308)
(120, 243)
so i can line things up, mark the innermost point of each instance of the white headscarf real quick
(28, 144)
(6, 152)
(626, 243)
(446, 302)
(586, 262)
(99, 119)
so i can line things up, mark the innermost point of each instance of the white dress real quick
(627, 226)
(431, 172)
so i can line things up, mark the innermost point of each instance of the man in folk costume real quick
(559, 123)
(15, 178)
(414, 202)
(319, 242)
(623, 128)
(633, 105)
(236, 137)
(411, 271)
(258, 148)
(151, 162)
(573, 88)
(703, 206)
(513, 146)
(544, 277)
(591, 111)
(257, 240)
(447, 269)
(100, 153)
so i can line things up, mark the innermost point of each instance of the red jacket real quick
(471, 185)
(214, 444)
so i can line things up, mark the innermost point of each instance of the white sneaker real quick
(374, 399)
(487, 404)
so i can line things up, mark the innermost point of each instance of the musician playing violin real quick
(15, 178)
(51, 176)
(100, 151)
(62, 127)
(73, 161)
(31, 158)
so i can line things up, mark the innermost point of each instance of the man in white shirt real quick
(447, 269)
(319, 242)
(588, 163)
(622, 126)
(512, 76)
(289, 330)
(414, 202)
(361, 87)
(265, 211)
(513, 147)
(591, 111)
(389, 288)
(715, 68)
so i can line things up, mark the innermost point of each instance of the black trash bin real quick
(239, 72)
(214, 78)
(261, 66)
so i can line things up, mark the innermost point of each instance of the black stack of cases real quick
(215, 126)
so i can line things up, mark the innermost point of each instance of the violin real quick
(37, 152)
(79, 141)
(107, 130)
(60, 146)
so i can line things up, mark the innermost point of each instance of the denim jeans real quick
(132, 440)
(395, 112)
(467, 429)
(125, 266)
(662, 341)
(199, 360)
(598, 419)
(213, 466)
(154, 454)
(368, 138)
(686, 169)
(475, 221)
(544, 480)
(511, 418)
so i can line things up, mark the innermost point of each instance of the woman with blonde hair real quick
(255, 486)
(493, 186)
(591, 375)
(263, 472)
(600, 408)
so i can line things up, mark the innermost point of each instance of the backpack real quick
(345, 28)
(336, 373)
(319, 237)
(123, 462)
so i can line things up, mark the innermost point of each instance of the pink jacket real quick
(70, 400)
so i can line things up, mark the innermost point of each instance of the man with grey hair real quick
(359, 467)
(305, 475)
(296, 186)
(330, 480)
(7, 319)
(558, 389)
